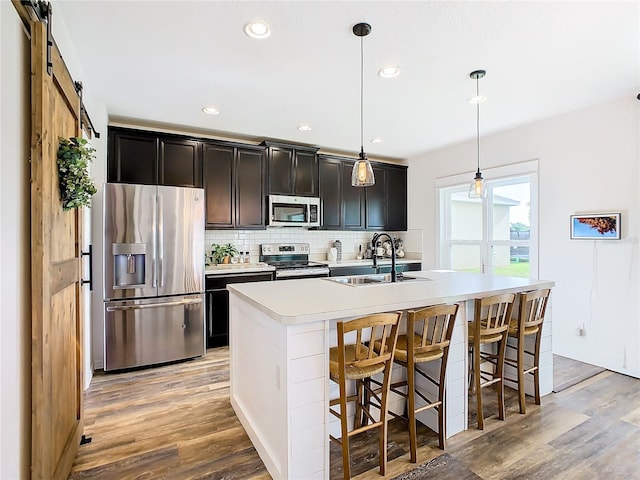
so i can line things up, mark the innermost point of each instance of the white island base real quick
(280, 334)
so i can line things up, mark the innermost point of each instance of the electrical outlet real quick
(580, 331)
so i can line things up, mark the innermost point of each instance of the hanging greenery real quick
(76, 187)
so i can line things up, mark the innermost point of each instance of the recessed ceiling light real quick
(477, 99)
(377, 140)
(257, 29)
(211, 110)
(304, 127)
(389, 71)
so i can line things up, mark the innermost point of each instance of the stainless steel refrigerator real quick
(154, 274)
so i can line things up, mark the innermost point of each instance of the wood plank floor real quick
(176, 422)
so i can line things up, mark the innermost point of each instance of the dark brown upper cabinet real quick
(396, 178)
(136, 156)
(234, 187)
(376, 200)
(343, 206)
(179, 162)
(132, 157)
(382, 206)
(291, 169)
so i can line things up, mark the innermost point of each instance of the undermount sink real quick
(377, 279)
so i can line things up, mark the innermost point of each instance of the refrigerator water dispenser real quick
(129, 264)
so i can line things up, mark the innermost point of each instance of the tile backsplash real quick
(319, 240)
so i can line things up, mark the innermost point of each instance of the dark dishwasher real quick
(217, 297)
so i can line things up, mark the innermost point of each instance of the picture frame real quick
(596, 226)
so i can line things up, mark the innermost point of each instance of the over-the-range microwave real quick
(291, 211)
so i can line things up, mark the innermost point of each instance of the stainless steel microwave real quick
(290, 211)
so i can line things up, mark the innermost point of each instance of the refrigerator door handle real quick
(160, 241)
(188, 301)
(154, 239)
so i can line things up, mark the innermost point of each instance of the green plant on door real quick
(76, 187)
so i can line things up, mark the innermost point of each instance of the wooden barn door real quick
(57, 309)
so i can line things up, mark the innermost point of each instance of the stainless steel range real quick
(291, 261)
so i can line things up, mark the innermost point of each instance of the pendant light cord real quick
(478, 121)
(362, 95)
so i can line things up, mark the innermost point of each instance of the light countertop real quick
(315, 299)
(226, 268)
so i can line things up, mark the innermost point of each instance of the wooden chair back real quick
(381, 329)
(493, 314)
(533, 306)
(433, 325)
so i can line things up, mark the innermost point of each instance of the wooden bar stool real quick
(359, 361)
(531, 311)
(490, 326)
(432, 328)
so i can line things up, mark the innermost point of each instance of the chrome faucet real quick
(374, 255)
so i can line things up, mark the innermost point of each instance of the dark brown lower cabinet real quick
(217, 304)
(234, 188)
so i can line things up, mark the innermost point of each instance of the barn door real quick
(57, 307)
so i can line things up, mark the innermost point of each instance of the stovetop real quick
(288, 256)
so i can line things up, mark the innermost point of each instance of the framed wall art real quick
(597, 226)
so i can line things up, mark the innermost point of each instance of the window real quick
(497, 234)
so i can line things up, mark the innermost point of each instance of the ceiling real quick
(160, 62)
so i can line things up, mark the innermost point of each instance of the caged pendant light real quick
(362, 173)
(477, 188)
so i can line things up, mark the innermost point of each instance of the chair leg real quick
(520, 368)
(359, 415)
(476, 379)
(411, 412)
(502, 345)
(441, 416)
(346, 466)
(536, 372)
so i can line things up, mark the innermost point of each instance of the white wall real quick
(94, 328)
(15, 352)
(588, 162)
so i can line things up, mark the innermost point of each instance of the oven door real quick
(298, 273)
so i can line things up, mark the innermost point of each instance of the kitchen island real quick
(280, 334)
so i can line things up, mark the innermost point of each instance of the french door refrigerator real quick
(154, 274)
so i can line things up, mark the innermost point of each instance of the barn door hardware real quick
(90, 281)
(43, 12)
(85, 120)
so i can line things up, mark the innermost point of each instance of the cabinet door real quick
(249, 200)
(376, 200)
(179, 163)
(330, 186)
(396, 199)
(305, 173)
(280, 169)
(218, 183)
(217, 327)
(353, 200)
(132, 158)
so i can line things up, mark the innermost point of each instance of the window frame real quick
(494, 177)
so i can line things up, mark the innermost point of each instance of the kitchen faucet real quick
(374, 241)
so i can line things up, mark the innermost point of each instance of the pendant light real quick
(362, 173)
(477, 188)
